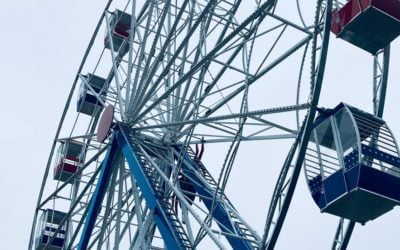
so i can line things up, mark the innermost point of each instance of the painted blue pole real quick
(98, 196)
(165, 219)
(219, 213)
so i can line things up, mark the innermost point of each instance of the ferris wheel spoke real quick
(200, 81)
(225, 65)
(236, 92)
(208, 189)
(279, 191)
(200, 50)
(255, 114)
(109, 227)
(222, 123)
(211, 139)
(160, 113)
(142, 55)
(227, 166)
(177, 67)
(131, 39)
(175, 108)
(127, 227)
(275, 125)
(148, 75)
(262, 72)
(138, 198)
(119, 207)
(136, 201)
(83, 136)
(152, 89)
(115, 68)
(140, 237)
(257, 14)
(181, 68)
(109, 79)
(181, 113)
(225, 132)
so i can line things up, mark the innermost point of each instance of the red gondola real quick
(68, 160)
(368, 24)
(120, 26)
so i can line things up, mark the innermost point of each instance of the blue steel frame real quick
(171, 237)
(121, 142)
(220, 213)
(98, 195)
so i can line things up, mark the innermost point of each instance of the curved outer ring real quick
(301, 139)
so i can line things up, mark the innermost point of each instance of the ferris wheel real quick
(134, 164)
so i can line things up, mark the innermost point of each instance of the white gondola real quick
(352, 164)
(48, 224)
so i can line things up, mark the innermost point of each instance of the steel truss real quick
(190, 73)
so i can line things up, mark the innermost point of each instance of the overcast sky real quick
(41, 46)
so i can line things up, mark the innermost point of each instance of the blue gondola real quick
(48, 224)
(352, 164)
(87, 101)
(120, 24)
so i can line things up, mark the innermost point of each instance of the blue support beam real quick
(220, 213)
(98, 196)
(171, 242)
(136, 170)
(164, 217)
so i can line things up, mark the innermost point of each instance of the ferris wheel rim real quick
(57, 137)
(301, 140)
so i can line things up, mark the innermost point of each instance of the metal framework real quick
(182, 75)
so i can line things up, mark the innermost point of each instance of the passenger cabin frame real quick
(368, 24)
(120, 25)
(88, 99)
(352, 164)
(48, 224)
(68, 160)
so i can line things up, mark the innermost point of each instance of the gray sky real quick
(41, 46)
